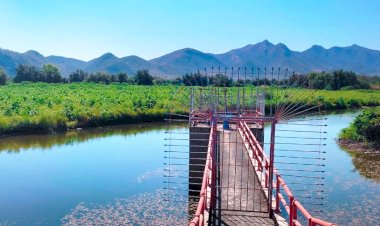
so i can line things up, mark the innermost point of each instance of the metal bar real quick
(311, 138)
(271, 166)
(301, 124)
(298, 157)
(297, 150)
(300, 131)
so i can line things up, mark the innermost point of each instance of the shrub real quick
(366, 127)
(144, 78)
(367, 124)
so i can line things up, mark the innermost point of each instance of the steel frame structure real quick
(268, 98)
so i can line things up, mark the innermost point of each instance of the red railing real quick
(208, 182)
(293, 206)
(257, 152)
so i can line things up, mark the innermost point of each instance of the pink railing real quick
(208, 182)
(293, 206)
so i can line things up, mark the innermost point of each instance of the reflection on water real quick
(17, 143)
(367, 164)
(53, 179)
(351, 198)
(114, 174)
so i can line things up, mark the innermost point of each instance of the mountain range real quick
(263, 54)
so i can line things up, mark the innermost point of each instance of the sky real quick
(86, 29)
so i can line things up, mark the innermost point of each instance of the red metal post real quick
(277, 194)
(291, 215)
(213, 171)
(271, 166)
(294, 212)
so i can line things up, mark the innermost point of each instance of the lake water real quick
(346, 197)
(116, 173)
(87, 175)
(350, 199)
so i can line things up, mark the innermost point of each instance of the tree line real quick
(335, 80)
(51, 74)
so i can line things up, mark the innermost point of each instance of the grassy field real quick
(41, 107)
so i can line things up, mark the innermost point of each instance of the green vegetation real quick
(3, 77)
(51, 74)
(144, 78)
(44, 102)
(365, 127)
(362, 141)
(336, 80)
(342, 99)
(48, 74)
(42, 107)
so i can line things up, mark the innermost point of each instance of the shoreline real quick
(359, 146)
(84, 127)
(365, 158)
(37, 129)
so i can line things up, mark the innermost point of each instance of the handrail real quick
(208, 181)
(293, 206)
(258, 153)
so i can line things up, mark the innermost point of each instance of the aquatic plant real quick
(143, 209)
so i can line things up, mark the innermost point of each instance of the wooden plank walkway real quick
(245, 218)
(241, 199)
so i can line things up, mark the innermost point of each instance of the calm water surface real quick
(114, 174)
(350, 199)
(50, 180)
(347, 197)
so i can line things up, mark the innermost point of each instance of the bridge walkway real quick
(240, 197)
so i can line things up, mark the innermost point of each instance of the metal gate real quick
(239, 186)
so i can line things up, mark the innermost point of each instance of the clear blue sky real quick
(85, 29)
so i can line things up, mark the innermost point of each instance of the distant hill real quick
(185, 61)
(263, 54)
